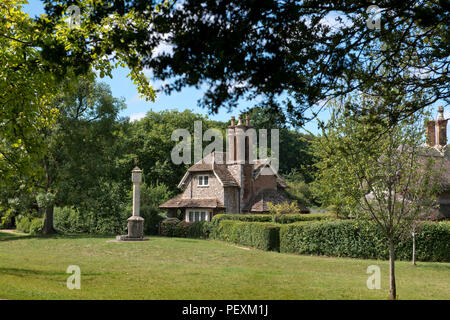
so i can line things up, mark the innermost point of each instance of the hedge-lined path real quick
(180, 268)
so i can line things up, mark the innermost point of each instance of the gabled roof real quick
(214, 162)
(179, 202)
(441, 164)
(264, 167)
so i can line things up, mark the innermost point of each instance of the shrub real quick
(7, 217)
(23, 224)
(36, 226)
(172, 227)
(151, 197)
(360, 239)
(264, 236)
(283, 208)
(198, 229)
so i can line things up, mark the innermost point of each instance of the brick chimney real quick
(431, 133)
(441, 128)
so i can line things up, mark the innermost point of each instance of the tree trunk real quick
(392, 287)
(414, 248)
(48, 221)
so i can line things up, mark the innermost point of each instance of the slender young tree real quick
(374, 170)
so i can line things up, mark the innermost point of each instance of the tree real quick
(27, 86)
(295, 147)
(373, 170)
(149, 141)
(80, 143)
(290, 54)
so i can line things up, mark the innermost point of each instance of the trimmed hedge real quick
(173, 227)
(357, 239)
(284, 219)
(259, 235)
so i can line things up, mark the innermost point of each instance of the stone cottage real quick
(229, 182)
(436, 131)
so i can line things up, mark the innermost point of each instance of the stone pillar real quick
(135, 222)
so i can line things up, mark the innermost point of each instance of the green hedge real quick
(264, 236)
(173, 227)
(284, 219)
(358, 239)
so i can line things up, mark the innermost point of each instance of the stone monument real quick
(135, 222)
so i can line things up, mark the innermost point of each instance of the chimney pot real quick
(247, 121)
(441, 128)
(441, 113)
(232, 120)
(240, 120)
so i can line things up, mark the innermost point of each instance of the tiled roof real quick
(225, 175)
(200, 167)
(258, 203)
(179, 202)
(441, 164)
(218, 166)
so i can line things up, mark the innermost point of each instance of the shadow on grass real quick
(10, 236)
(28, 272)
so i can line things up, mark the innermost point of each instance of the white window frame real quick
(191, 213)
(201, 179)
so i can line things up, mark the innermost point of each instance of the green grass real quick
(175, 268)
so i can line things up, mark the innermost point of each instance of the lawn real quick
(175, 268)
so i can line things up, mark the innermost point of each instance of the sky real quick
(122, 86)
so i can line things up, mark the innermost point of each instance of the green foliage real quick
(299, 189)
(277, 210)
(6, 218)
(69, 220)
(172, 227)
(27, 86)
(23, 224)
(259, 235)
(369, 166)
(151, 197)
(294, 146)
(36, 226)
(199, 229)
(361, 239)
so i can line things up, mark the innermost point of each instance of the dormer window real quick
(203, 181)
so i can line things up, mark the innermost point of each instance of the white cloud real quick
(137, 116)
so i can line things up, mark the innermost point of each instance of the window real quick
(197, 215)
(203, 181)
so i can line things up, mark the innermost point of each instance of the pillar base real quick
(135, 230)
(127, 238)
